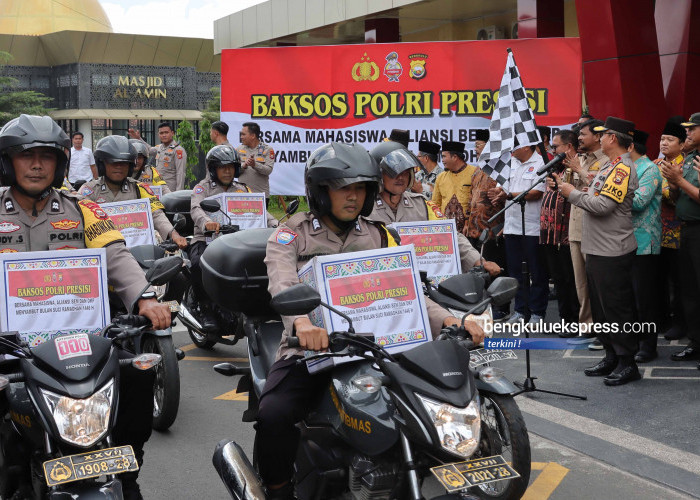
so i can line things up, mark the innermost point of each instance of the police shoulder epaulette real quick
(67, 194)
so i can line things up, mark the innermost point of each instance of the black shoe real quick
(674, 333)
(208, 320)
(625, 375)
(645, 357)
(605, 367)
(690, 353)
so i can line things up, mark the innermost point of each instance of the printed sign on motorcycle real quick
(157, 190)
(435, 243)
(379, 290)
(54, 293)
(246, 210)
(134, 220)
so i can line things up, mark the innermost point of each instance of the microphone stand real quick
(528, 385)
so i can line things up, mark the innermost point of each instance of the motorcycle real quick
(59, 404)
(230, 324)
(166, 385)
(387, 421)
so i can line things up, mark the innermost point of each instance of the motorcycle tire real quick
(166, 386)
(503, 432)
(201, 341)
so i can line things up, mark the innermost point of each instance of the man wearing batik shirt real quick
(453, 187)
(425, 176)
(554, 235)
(671, 146)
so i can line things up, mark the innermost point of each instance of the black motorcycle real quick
(59, 404)
(229, 330)
(387, 421)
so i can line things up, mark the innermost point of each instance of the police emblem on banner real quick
(393, 68)
(418, 62)
(365, 69)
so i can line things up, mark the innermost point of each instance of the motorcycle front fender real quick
(111, 490)
(497, 385)
(236, 471)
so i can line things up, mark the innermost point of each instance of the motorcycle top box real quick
(234, 272)
(179, 203)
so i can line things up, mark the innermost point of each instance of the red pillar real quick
(540, 18)
(621, 63)
(678, 32)
(382, 30)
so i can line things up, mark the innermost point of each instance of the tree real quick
(185, 136)
(205, 142)
(15, 102)
(212, 111)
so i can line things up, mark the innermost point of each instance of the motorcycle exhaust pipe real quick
(236, 471)
(188, 319)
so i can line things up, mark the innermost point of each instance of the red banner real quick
(359, 291)
(245, 207)
(43, 284)
(429, 243)
(134, 220)
(303, 97)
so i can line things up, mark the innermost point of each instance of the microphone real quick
(553, 163)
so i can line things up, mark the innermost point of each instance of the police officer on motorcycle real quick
(34, 154)
(342, 182)
(143, 172)
(116, 161)
(396, 202)
(223, 166)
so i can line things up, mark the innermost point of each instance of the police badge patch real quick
(418, 63)
(86, 191)
(198, 189)
(285, 236)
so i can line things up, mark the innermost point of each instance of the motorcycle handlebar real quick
(169, 246)
(293, 342)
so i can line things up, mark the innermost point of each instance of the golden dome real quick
(39, 17)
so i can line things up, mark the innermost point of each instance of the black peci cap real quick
(617, 125)
(673, 128)
(453, 147)
(640, 137)
(400, 136)
(482, 134)
(431, 148)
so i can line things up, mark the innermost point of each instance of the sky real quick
(184, 18)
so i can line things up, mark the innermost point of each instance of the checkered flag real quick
(512, 118)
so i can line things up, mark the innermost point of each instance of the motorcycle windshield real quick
(74, 357)
(444, 363)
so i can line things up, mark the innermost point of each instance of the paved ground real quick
(637, 441)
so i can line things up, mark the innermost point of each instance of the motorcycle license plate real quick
(93, 464)
(172, 305)
(460, 475)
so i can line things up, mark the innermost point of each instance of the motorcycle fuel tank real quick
(363, 420)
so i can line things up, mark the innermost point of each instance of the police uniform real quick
(67, 223)
(171, 164)
(257, 177)
(289, 388)
(609, 245)
(98, 191)
(413, 208)
(150, 176)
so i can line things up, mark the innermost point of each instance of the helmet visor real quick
(398, 161)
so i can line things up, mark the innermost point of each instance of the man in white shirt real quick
(82, 162)
(523, 171)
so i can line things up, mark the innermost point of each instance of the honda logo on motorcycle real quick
(71, 346)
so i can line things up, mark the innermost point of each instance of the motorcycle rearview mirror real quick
(296, 300)
(163, 270)
(502, 290)
(292, 207)
(179, 222)
(210, 206)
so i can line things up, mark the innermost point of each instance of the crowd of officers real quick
(612, 228)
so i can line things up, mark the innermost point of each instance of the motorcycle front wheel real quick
(166, 386)
(503, 432)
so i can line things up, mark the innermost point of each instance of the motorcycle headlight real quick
(459, 429)
(81, 422)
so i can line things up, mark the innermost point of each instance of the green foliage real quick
(15, 102)
(212, 111)
(277, 210)
(185, 136)
(205, 142)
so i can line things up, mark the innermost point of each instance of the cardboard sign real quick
(380, 290)
(246, 210)
(157, 190)
(436, 248)
(134, 220)
(54, 293)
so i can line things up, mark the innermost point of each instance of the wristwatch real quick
(148, 295)
(509, 196)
